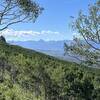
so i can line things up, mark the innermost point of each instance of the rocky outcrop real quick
(2, 39)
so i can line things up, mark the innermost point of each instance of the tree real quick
(15, 11)
(86, 46)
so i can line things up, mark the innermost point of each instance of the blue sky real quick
(52, 24)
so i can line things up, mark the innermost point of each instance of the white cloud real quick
(14, 35)
(49, 32)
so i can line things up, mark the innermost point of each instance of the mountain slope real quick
(29, 75)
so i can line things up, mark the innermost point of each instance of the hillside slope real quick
(29, 75)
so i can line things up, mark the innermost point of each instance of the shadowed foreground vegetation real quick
(29, 75)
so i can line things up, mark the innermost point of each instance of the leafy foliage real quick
(30, 75)
(86, 46)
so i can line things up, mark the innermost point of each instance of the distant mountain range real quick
(41, 44)
(53, 48)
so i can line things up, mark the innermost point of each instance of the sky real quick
(52, 24)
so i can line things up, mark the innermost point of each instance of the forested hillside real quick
(29, 75)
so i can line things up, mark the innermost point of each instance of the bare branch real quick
(14, 11)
